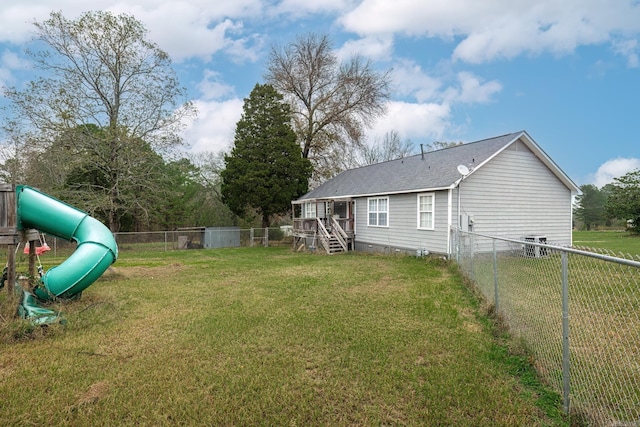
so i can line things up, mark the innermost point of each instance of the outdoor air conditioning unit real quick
(532, 251)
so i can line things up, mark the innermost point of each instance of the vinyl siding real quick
(515, 194)
(403, 232)
(512, 195)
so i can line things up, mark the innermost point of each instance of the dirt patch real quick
(93, 394)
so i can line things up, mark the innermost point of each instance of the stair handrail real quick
(324, 235)
(339, 234)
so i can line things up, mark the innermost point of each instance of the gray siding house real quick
(503, 186)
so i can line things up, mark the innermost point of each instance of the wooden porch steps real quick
(334, 245)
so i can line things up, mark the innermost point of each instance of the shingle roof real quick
(437, 170)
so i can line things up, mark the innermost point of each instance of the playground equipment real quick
(96, 249)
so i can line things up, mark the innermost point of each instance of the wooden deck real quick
(329, 223)
(333, 234)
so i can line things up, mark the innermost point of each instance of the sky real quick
(567, 72)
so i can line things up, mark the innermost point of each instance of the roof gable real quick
(433, 170)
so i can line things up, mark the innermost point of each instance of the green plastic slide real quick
(96, 247)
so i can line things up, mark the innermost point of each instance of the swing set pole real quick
(8, 230)
(32, 262)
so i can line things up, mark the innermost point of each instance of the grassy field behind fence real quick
(616, 241)
(604, 320)
(265, 336)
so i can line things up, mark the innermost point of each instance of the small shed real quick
(221, 237)
(208, 237)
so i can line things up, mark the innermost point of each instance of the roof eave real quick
(384, 193)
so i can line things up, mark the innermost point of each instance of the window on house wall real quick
(309, 210)
(379, 211)
(426, 211)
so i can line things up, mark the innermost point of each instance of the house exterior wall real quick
(402, 232)
(514, 195)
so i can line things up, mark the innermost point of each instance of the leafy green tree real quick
(143, 194)
(590, 206)
(100, 70)
(624, 199)
(194, 204)
(265, 169)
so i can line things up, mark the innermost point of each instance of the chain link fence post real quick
(566, 362)
(495, 276)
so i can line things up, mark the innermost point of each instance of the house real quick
(504, 186)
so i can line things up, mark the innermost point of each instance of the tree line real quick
(100, 127)
(617, 201)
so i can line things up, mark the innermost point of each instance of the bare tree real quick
(440, 145)
(210, 165)
(109, 95)
(390, 148)
(12, 169)
(332, 102)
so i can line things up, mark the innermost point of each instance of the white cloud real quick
(186, 30)
(411, 80)
(628, 49)
(430, 115)
(299, 8)
(9, 63)
(473, 91)
(371, 47)
(212, 87)
(194, 28)
(613, 168)
(499, 28)
(16, 18)
(413, 121)
(215, 128)
(13, 61)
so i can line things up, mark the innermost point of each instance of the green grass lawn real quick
(616, 241)
(265, 336)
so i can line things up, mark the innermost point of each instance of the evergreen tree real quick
(265, 170)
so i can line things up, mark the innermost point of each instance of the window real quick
(426, 211)
(309, 210)
(379, 212)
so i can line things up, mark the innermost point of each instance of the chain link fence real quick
(185, 239)
(203, 238)
(577, 311)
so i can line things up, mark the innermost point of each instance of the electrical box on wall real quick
(466, 222)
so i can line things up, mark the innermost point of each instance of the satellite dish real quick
(463, 170)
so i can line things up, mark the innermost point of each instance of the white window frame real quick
(309, 210)
(432, 225)
(377, 212)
